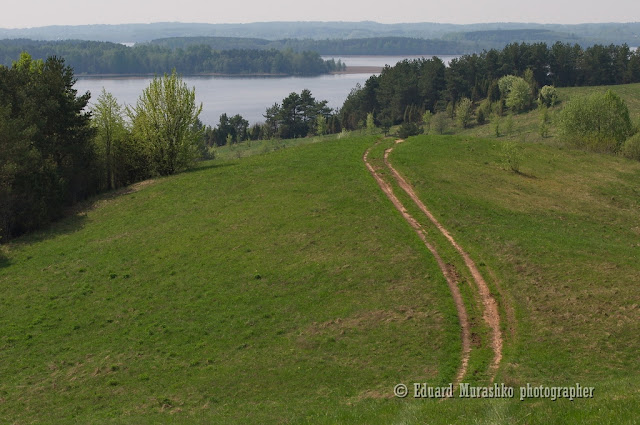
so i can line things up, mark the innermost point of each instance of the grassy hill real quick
(285, 288)
(562, 239)
(277, 288)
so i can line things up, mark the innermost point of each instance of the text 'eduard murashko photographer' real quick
(466, 390)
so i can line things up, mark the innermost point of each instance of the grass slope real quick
(562, 238)
(281, 288)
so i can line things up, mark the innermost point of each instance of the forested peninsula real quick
(93, 57)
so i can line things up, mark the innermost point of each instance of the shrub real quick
(599, 122)
(516, 91)
(440, 122)
(409, 129)
(512, 155)
(548, 96)
(631, 147)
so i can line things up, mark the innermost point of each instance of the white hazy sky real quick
(34, 13)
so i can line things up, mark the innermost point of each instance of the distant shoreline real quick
(360, 70)
(348, 70)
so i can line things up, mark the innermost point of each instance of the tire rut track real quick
(448, 273)
(490, 313)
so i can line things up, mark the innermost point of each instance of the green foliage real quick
(480, 117)
(164, 117)
(47, 158)
(321, 125)
(426, 120)
(297, 116)
(440, 122)
(599, 122)
(505, 83)
(516, 91)
(123, 160)
(496, 123)
(408, 129)
(631, 147)
(371, 125)
(548, 96)
(422, 84)
(493, 93)
(230, 130)
(512, 155)
(463, 112)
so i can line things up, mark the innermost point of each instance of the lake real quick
(247, 96)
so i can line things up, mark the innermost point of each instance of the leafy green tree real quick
(164, 116)
(321, 125)
(426, 120)
(111, 134)
(47, 158)
(505, 83)
(463, 112)
(599, 122)
(371, 125)
(516, 91)
(297, 115)
(548, 96)
(440, 122)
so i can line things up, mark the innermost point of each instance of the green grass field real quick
(563, 240)
(284, 288)
(277, 288)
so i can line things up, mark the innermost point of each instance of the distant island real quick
(106, 58)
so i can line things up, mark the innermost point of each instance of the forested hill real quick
(354, 46)
(93, 57)
(616, 33)
(451, 44)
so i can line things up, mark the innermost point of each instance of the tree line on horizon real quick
(428, 85)
(94, 57)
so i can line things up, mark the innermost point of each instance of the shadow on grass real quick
(4, 261)
(75, 217)
(528, 176)
(207, 165)
(65, 225)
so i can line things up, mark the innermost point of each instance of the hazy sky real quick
(33, 13)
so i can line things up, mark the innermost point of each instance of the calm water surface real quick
(247, 96)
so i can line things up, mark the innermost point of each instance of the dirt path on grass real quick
(490, 307)
(447, 270)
